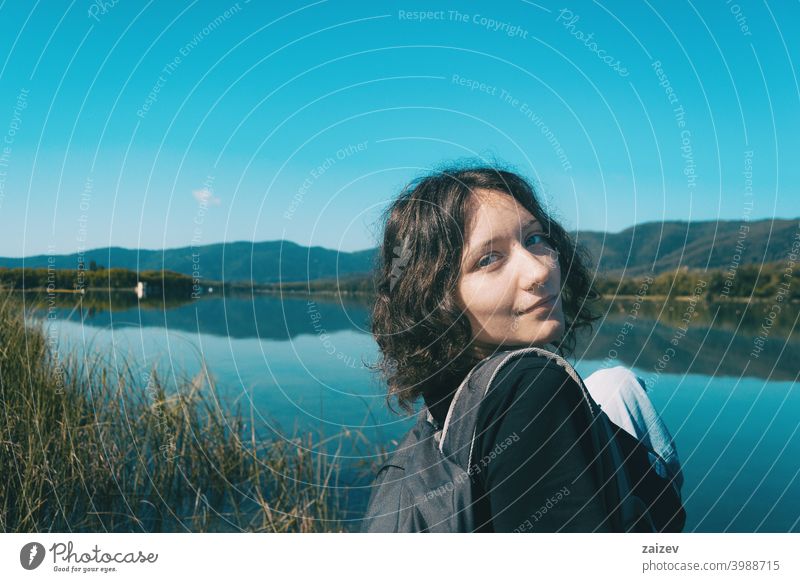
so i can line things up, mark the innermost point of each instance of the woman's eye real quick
(538, 239)
(482, 262)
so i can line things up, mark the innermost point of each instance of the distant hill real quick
(262, 262)
(662, 246)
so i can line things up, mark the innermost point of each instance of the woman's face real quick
(510, 280)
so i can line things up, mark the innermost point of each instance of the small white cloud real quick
(205, 196)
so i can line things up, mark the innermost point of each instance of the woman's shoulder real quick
(533, 399)
(532, 380)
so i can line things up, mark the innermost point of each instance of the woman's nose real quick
(533, 270)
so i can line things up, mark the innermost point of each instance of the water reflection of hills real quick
(718, 341)
(703, 350)
(265, 317)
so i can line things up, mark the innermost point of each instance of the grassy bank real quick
(84, 447)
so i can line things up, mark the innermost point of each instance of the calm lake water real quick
(300, 364)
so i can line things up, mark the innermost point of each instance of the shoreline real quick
(333, 293)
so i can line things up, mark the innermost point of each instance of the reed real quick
(89, 445)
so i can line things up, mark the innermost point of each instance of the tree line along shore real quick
(751, 282)
(748, 282)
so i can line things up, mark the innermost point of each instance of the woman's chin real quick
(546, 333)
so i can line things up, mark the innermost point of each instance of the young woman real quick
(472, 264)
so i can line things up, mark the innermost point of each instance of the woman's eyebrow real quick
(488, 243)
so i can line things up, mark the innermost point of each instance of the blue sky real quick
(161, 124)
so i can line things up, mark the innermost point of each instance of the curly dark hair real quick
(423, 336)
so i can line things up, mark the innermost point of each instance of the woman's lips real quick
(547, 303)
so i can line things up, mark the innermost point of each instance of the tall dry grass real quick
(85, 447)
